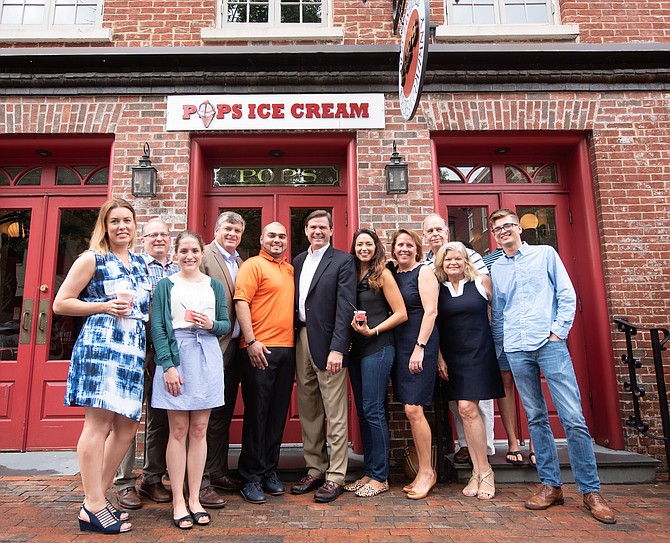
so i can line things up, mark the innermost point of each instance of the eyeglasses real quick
(504, 228)
(156, 235)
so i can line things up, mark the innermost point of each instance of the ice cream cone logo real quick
(206, 113)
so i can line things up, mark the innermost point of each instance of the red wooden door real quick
(52, 232)
(547, 222)
(290, 210)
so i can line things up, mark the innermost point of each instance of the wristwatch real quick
(419, 344)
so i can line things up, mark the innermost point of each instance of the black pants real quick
(218, 430)
(267, 395)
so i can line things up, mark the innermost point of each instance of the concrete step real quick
(614, 467)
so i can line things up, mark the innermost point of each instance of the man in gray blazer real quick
(222, 261)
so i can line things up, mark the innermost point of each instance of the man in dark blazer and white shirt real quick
(325, 292)
(222, 261)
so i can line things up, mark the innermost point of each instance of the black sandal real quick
(187, 518)
(518, 458)
(102, 522)
(532, 460)
(201, 515)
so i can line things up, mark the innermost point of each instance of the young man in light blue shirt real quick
(533, 309)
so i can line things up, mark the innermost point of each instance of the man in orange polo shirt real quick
(264, 303)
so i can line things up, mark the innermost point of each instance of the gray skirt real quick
(201, 369)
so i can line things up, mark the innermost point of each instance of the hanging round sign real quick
(413, 55)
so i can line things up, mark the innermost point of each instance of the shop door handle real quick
(26, 321)
(42, 321)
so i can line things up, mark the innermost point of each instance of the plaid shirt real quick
(157, 271)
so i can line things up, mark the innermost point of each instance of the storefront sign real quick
(413, 56)
(275, 112)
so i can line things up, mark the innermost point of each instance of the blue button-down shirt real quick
(158, 271)
(532, 297)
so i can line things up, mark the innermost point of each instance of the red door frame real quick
(570, 150)
(307, 148)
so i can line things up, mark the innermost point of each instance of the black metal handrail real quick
(637, 391)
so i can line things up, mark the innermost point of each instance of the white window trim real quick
(225, 31)
(68, 34)
(507, 32)
(49, 32)
(553, 30)
(253, 32)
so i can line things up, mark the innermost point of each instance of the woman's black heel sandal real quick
(102, 522)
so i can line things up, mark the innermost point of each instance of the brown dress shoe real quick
(306, 484)
(328, 492)
(462, 456)
(545, 497)
(128, 498)
(595, 503)
(211, 498)
(226, 482)
(155, 491)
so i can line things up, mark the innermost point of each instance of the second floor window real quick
(499, 12)
(49, 13)
(274, 12)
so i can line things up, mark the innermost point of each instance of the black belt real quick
(300, 324)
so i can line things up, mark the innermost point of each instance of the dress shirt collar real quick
(318, 253)
(521, 250)
(225, 254)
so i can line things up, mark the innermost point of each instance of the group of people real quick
(216, 321)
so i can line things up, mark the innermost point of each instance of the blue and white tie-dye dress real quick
(107, 366)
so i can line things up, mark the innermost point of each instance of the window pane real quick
(237, 13)
(14, 229)
(65, 176)
(101, 177)
(290, 14)
(515, 15)
(447, 175)
(86, 15)
(12, 15)
(64, 15)
(468, 225)
(75, 230)
(539, 225)
(251, 176)
(462, 15)
(538, 14)
(34, 15)
(515, 175)
(547, 174)
(33, 177)
(311, 13)
(259, 14)
(484, 15)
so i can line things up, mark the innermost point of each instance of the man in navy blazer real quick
(325, 284)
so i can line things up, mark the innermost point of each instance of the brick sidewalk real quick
(44, 509)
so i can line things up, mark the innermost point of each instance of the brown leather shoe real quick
(545, 497)
(328, 492)
(211, 498)
(155, 491)
(595, 503)
(128, 498)
(306, 484)
(462, 456)
(225, 482)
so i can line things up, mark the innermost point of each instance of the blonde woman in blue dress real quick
(106, 375)
(188, 313)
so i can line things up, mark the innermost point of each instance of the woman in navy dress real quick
(417, 345)
(468, 361)
(371, 357)
(106, 375)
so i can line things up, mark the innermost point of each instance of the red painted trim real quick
(607, 429)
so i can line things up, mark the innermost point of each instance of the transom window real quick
(261, 176)
(50, 13)
(486, 173)
(23, 176)
(490, 12)
(274, 12)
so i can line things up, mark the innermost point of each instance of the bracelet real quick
(377, 329)
(251, 342)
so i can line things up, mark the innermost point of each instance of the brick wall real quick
(178, 24)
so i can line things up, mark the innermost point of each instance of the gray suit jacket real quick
(214, 265)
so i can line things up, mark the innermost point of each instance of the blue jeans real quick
(369, 382)
(554, 360)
